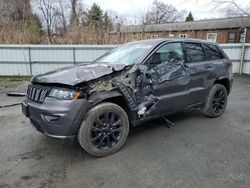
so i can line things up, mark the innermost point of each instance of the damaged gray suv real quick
(98, 102)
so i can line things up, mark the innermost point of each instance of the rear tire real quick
(216, 101)
(104, 130)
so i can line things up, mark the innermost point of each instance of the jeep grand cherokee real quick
(135, 82)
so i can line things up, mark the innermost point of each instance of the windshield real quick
(126, 54)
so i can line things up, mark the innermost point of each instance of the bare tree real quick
(142, 15)
(61, 15)
(48, 10)
(16, 10)
(74, 16)
(232, 7)
(161, 13)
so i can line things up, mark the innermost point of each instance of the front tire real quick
(216, 101)
(104, 130)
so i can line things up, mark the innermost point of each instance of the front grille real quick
(37, 93)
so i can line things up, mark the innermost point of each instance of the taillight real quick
(229, 63)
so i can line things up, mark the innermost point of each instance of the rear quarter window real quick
(212, 52)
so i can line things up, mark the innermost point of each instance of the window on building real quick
(231, 37)
(183, 36)
(212, 52)
(154, 36)
(212, 37)
(194, 52)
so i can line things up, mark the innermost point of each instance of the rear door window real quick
(212, 52)
(194, 52)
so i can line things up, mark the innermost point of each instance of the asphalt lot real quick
(196, 152)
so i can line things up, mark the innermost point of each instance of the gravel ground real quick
(12, 87)
(196, 152)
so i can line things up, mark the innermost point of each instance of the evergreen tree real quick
(95, 14)
(34, 25)
(189, 18)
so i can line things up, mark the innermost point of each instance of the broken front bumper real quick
(56, 118)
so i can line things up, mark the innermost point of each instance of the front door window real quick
(168, 52)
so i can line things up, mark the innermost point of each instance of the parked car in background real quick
(135, 82)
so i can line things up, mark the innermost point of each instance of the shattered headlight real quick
(64, 94)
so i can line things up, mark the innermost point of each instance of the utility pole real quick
(242, 52)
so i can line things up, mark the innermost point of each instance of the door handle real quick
(208, 66)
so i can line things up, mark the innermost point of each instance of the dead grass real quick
(93, 35)
(6, 80)
(18, 34)
(18, 37)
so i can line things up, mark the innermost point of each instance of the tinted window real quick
(212, 52)
(194, 52)
(168, 52)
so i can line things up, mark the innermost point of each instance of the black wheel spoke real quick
(118, 122)
(98, 121)
(106, 117)
(109, 142)
(96, 138)
(216, 95)
(214, 102)
(117, 130)
(222, 96)
(96, 129)
(217, 108)
(101, 141)
(112, 118)
(214, 108)
(114, 137)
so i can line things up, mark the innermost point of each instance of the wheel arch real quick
(114, 97)
(225, 82)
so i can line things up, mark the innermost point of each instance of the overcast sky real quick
(201, 9)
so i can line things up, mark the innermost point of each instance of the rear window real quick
(194, 52)
(212, 52)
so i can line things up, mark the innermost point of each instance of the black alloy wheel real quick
(106, 130)
(218, 102)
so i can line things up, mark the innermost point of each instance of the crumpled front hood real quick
(77, 74)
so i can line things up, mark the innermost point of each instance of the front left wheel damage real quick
(104, 130)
